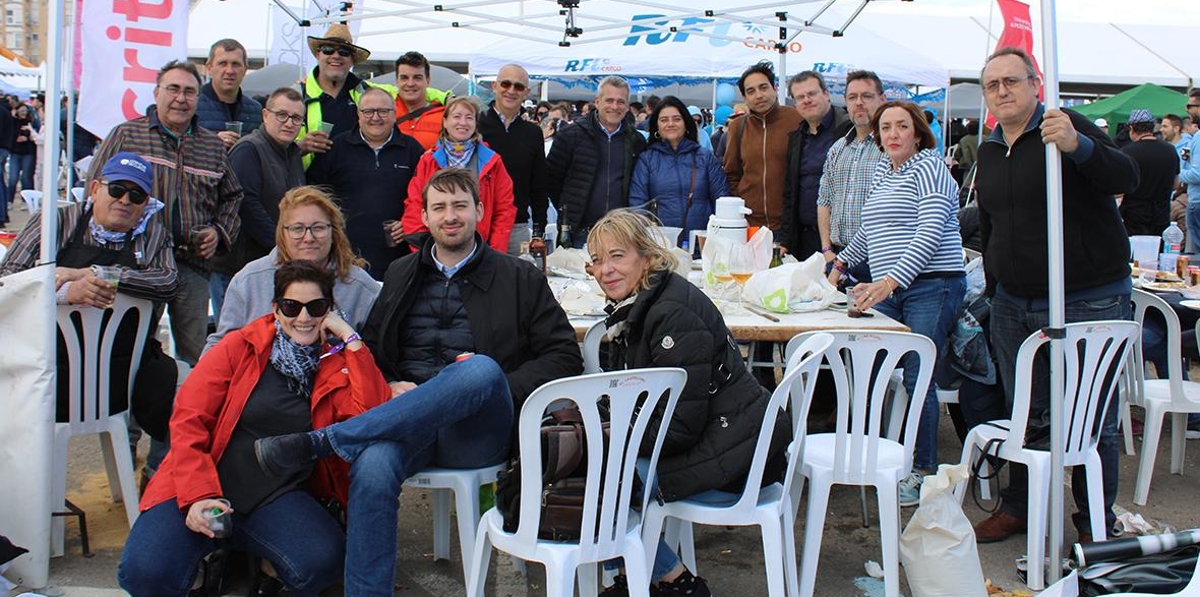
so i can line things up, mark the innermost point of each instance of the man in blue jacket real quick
(1011, 181)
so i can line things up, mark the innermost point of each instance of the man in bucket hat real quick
(331, 91)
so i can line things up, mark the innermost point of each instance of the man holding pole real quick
(1011, 181)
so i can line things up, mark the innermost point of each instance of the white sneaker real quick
(910, 489)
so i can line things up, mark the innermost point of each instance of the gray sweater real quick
(251, 290)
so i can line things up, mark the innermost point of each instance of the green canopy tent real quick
(1156, 98)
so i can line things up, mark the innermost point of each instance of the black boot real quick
(687, 585)
(282, 455)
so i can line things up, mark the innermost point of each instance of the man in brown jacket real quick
(756, 156)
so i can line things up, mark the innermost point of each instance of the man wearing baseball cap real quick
(1147, 210)
(119, 225)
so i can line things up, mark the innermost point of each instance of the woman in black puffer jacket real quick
(659, 319)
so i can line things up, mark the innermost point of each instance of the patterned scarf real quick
(103, 236)
(458, 153)
(298, 363)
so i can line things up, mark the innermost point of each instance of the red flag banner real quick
(1018, 33)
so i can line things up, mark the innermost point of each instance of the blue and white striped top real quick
(910, 221)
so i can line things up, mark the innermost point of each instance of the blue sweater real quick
(667, 175)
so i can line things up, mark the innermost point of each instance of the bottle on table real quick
(776, 255)
(537, 247)
(564, 229)
(1172, 239)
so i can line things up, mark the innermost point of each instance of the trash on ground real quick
(874, 570)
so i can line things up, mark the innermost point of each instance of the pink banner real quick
(77, 55)
(1018, 33)
(124, 44)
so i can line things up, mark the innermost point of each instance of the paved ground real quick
(731, 559)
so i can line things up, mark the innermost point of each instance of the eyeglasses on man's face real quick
(1008, 82)
(188, 93)
(373, 113)
(519, 86)
(282, 116)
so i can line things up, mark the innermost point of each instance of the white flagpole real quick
(1057, 299)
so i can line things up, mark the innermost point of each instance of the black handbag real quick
(1164, 573)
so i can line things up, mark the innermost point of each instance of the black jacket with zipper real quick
(1011, 182)
(573, 161)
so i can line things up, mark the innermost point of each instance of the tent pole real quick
(946, 120)
(70, 86)
(1057, 314)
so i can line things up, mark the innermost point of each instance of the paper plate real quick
(1163, 286)
(1191, 304)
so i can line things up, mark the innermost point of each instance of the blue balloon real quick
(726, 94)
(721, 114)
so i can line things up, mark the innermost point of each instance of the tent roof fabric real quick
(1159, 100)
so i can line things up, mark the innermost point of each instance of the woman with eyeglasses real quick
(310, 227)
(298, 368)
(461, 146)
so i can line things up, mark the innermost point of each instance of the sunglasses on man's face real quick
(118, 190)
(519, 86)
(291, 308)
(342, 51)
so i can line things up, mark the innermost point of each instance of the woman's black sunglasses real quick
(118, 190)
(291, 308)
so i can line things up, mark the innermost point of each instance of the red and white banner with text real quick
(1018, 33)
(125, 42)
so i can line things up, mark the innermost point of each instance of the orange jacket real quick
(495, 192)
(424, 128)
(211, 401)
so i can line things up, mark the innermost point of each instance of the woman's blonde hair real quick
(340, 253)
(632, 228)
(455, 102)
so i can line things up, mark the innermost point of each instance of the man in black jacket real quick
(456, 297)
(1011, 181)
(590, 165)
(808, 146)
(520, 144)
(368, 169)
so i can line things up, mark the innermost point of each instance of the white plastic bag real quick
(791, 287)
(939, 539)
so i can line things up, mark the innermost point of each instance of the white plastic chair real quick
(591, 347)
(1096, 352)
(90, 334)
(769, 507)
(465, 484)
(1161, 396)
(33, 200)
(611, 528)
(860, 451)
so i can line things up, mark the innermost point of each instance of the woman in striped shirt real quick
(909, 233)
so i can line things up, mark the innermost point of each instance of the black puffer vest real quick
(435, 330)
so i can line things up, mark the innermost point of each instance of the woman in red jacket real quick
(461, 146)
(276, 375)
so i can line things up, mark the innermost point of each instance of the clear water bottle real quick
(1172, 239)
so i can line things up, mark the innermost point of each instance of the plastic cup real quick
(196, 237)
(326, 127)
(234, 126)
(219, 519)
(851, 300)
(108, 274)
(388, 241)
(1145, 249)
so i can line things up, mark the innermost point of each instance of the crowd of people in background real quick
(343, 205)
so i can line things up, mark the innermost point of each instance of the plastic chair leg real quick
(481, 554)
(589, 585)
(1127, 427)
(466, 504)
(1178, 441)
(110, 467)
(1152, 427)
(772, 542)
(441, 524)
(58, 493)
(687, 545)
(788, 524)
(889, 533)
(1095, 494)
(119, 447)
(636, 571)
(814, 527)
(560, 579)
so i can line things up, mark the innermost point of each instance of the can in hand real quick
(1181, 267)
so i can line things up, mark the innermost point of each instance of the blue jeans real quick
(929, 306)
(20, 169)
(462, 418)
(189, 313)
(1013, 319)
(300, 539)
(218, 283)
(1193, 219)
